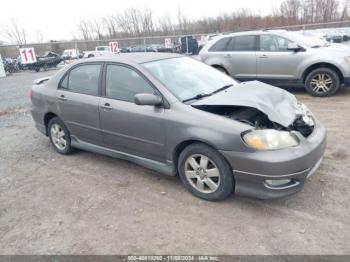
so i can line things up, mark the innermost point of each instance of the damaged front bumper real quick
(278, 173)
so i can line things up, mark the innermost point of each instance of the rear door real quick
(241, 56)
(275, 63)
(127, 127)
(78, 102)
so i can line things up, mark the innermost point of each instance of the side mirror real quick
(294, 47)
(147, 100)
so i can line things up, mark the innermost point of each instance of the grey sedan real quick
(176, 115)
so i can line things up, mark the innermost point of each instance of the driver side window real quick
(273, 43)
(123, 83)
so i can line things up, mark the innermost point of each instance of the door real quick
(127, 127)
(274, 60)
(78, 102)
(241, 56)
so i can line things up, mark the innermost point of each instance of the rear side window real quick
(242, 43)
(123, 83)
(83, 79)
(220, 45)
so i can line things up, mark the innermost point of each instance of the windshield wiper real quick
(221, 89)
(196, 97)
(199, 96)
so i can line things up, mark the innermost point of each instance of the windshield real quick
(186, 77)
(307, 41)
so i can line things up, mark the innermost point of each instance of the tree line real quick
(136, 22)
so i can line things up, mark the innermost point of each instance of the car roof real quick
(137, 58)
(255, 32)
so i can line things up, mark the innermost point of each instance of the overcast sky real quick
(58, 19)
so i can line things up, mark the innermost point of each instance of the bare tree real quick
(165, 25)
(147, 22)
(136, 22)
(110, 25)
(15, 32)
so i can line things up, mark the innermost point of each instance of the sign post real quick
(2, 69)
(27, 55)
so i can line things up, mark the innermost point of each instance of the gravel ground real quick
(91, 204)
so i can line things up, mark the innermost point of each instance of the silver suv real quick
(281, 58)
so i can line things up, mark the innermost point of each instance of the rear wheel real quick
(322, 82)
(59, 136)
(205, 173)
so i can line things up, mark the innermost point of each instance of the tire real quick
(201, 183)
(37, 69)
(57, 126)
(322, 82)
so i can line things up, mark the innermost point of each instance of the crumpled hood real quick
(279, 105)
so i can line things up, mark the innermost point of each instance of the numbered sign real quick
(27, 55)
(113, 46)
(167, 42)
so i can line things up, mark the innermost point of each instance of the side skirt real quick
(166, 169)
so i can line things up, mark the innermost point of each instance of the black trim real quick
(347, 81)
(276, 81)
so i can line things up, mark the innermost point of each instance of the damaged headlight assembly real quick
(270, 139)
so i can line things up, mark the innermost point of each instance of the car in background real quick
(70, 54)
(188, 45)
(176, 115)
(46, 61)
(282, 58)
(99, 51)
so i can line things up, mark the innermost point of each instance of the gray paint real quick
(150, 135)
(281, 107)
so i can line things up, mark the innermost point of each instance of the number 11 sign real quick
(27, 55)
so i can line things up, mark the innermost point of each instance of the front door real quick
(78, 102)
(274, 61)
(127, 127)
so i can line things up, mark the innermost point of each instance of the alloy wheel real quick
(321, 83)
(202, 173)
(58, 136)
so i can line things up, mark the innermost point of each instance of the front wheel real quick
(205, 173)
(322, 82)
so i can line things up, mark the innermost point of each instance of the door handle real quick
(263, 56)
(227, 56)
(62, 98)
(106, 107)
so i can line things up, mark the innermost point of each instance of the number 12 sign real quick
(27, 55)
(114, 47)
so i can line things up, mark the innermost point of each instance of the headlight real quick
(270, 139)
(347, 59)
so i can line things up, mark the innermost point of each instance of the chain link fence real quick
(139, 44)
